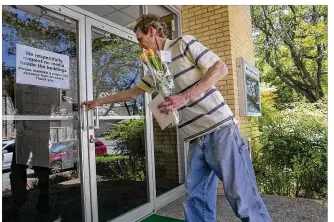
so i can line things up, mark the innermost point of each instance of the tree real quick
(116, 67)
(291, 46)
(292, 157)
(130, 139)
(116, 62)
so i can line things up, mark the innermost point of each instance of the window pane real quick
(37, 194)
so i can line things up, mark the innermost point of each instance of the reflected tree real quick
(116, 64)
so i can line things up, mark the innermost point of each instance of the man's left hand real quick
(173, 103)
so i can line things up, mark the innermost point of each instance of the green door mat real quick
(156, 218)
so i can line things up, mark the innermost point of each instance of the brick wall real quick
(166, 158)
(227, 31)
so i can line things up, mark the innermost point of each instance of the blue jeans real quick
(222, 154)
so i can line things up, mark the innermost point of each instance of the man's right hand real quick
(91, 104)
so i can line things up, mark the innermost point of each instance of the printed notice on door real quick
(41, 68)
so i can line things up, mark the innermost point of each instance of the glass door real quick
(120, 157)
(43, 151)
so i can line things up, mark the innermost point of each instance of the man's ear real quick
(152, 31)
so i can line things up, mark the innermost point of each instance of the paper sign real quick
(41, 68)
(162, 119)
(166, 56)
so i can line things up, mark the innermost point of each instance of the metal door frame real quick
(87, 20)
(148, 207)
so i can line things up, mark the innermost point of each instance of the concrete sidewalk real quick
(281, 209)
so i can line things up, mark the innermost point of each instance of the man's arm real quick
(216, 72)
(122, 96)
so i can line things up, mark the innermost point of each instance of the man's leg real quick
(43, 186)
(200, 186)
(18, 183)
(229, 157)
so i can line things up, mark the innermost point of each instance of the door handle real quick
(83, 116)
(97, 120)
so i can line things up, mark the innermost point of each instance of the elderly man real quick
(216, 148)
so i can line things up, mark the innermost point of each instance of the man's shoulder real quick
(188, 38)
(183, 39)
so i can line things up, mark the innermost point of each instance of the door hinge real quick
(173, 25)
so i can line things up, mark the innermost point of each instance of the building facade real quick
(56, 57)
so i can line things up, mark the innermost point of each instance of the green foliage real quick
(292, 159)
(130, 140)
(117, 167)
(291, 49)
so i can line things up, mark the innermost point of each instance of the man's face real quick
(146, 41)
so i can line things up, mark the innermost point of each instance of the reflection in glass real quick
(122, 183)
(253, 95)
(167, 173)
(39, 184)
(116, 67)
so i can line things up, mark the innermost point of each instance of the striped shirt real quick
(190, 62)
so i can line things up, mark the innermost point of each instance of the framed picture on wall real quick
(249, 88)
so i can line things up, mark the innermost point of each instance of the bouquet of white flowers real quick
(162, 77)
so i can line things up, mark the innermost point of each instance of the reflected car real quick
(7, 153)
(63, 155)
(8, 147)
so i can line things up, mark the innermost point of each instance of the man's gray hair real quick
(145, 21)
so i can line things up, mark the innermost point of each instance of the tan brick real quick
(207, 42)
(227, 33)
(202, 20)
(188, 15)
(210, 9)
(211, 27)
(221, 20)
(209, 23)
(223, 39)
(202, 11)
(185, 11)
(197, 17)
(229, 97)
(204, 38)
(229, 86)
(211, 32)
(220, 10)
(226, 28)
(214, 17)
(198, 35)
(205, 29)
(187, 7)
(215, 36)
(208, 14)
(192, 32)
(217, 6)
(229, 57)
(212, 41)
(226, 24)
(229, 82)
(194, 9)
(192, 27)
(227, 52)
(192, 23)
